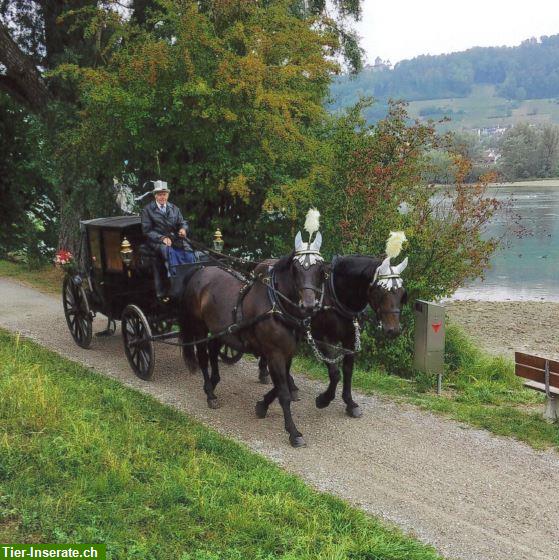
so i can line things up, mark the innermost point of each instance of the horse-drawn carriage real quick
(222, 312)
(114, 277)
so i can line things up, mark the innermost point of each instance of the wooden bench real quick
(543, 376)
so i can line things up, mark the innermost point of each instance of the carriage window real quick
(111, 242)
(95, 248)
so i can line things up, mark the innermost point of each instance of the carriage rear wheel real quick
(138, 345)
(229, 355)
(77, 312)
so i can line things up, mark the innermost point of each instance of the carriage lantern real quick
(126, 253)
(218, 241)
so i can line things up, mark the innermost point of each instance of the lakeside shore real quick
(532, 183)
(529, 183)
(503, 327)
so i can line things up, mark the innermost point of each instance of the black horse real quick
(269, 311)
(354, 282)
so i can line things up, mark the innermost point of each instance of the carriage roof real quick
(115, 222)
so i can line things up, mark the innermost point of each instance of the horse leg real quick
(262, 406)
(278, 371)
(263, 375)
(214, 346)
(293, 389)
(352, 408)
(202, 351)
(324, 399)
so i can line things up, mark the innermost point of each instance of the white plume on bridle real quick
(312, 221)
(394, 243)
(386, 275)
(309, 253)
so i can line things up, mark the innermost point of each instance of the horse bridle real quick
(307, 258)
(375, 283)
(276, 296)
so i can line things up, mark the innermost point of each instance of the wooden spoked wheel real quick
(229, 355)
(138, 345)
(77, 312)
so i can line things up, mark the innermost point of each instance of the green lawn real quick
(84, 459)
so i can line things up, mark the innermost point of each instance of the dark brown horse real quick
(354, 282)
(271, 311)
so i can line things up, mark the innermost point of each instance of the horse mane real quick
(357, 265)
(283, 263)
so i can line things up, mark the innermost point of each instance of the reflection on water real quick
(526, 268)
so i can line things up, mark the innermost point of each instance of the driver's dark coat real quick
(156, 225)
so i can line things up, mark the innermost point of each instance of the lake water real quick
(526, 268)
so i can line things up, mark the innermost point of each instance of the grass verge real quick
(46, 279)
(84, 459)
(479, 389)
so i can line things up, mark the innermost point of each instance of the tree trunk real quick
(22, 80)
(68, 232)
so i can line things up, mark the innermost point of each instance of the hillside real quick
(477, 88)
(483, 108)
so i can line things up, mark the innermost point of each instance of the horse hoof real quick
(321, 403)
(295, 396)
(354, 412)
(213, 403)
(264, 379)
(261, 409)
(297, 441)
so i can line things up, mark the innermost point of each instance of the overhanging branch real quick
(22, 80)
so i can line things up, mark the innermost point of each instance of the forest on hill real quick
(527, 71)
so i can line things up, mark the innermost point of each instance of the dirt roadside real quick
(470, 494)
(506, 326)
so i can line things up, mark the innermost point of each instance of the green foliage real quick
(377, 171)
(84, 459)
(27, 213)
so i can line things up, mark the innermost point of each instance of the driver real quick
(165, 230)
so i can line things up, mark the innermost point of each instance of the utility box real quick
(429, 337)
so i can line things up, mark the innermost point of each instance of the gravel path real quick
(470, 494)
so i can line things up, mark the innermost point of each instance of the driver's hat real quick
(160, 186)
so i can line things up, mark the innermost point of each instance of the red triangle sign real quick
(436, 326)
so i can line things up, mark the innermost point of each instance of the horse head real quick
(387, 295)
(308, 273)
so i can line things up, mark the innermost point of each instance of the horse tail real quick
(186, 338)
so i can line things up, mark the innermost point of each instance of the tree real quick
(519, 149)
(549, 150)
(221, 152)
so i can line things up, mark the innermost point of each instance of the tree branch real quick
(22, 80)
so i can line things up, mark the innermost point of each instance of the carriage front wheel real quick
(138, 345)
(229, 355)
(77, 312)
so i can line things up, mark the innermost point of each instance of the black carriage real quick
(114, 277)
